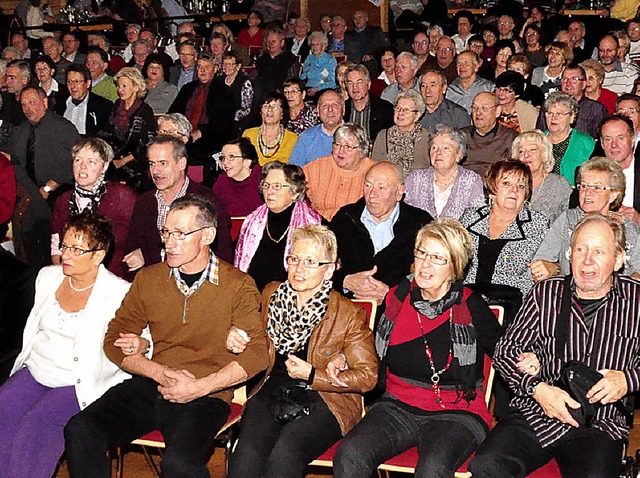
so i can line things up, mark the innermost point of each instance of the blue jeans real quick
(444, 440)
(134, 408)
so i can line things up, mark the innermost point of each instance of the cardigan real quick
(579, 150)
(523, 238)
(95, 373)
(283, 152)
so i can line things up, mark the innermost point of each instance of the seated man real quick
(102, 84)
(88, 112)
(591, 317)
(468, 84)
(433, 86)
(376, 235)
(316, 142)
(167, 165)
(189, 303)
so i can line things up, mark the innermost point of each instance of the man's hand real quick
(554, 402)
(237, 340)
(118, 163)
(132, 344)
(196, 135)
(610, 389)
(364, 286)
(184, 388)
(298, 368)
(335, 367)
(541, 269)
(528, 363)
(135, 260)
(630, 213)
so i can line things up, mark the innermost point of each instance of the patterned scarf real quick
(400, 147)
(98, 190)
(288, 327)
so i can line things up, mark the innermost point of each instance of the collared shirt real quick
(361, 117)
(297, 44)
(631, 180)
(447, 112)
(98, 80)
(77, 114)
(464, 98)
(381, 232)
(211, 273)
(54, 87)
(163, 207)
(620, 80)
(185, 76)
(394, 89)
(610, 343)
(312, 144)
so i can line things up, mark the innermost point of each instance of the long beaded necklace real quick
(265, 147)
(435, 375)
(271, 237)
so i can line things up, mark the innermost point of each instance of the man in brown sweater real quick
(189, 303)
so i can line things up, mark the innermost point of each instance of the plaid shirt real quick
(163, 207)
(211, 273)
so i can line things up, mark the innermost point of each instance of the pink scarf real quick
(253, 229)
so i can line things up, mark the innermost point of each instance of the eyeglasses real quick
(504, 89)
(170, 132)
(344, 147)
(435, 259)
(308, 263)
(229, 158)
(75, 251)
(556, 113)
(627, 111)
(483, 108)
(422, 42)
(597, 188)
(574, 79)
(271, 106)
(178, 235)
(275, 186)
(444, 50)
(292, 91)
(404, 110)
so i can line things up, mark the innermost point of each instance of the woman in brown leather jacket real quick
(308, 323)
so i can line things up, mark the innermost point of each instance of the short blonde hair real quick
(455, 238)
(595, 66)
(538, 137)
(561, 48)
(96, 145)
(617, 179)
(321, 236)
(133, 75)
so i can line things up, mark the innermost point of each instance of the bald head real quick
(383, 190)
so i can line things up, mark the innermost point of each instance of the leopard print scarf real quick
(288, 327)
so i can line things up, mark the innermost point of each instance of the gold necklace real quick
(281, 237)
(266, 147)
(446, 183)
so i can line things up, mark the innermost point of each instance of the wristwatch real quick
(47, 189)
(531, 388)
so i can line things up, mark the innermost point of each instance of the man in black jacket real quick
(363, 107)
(376, 235)
(88, 112)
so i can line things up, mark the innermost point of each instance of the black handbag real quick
(288, 403)
(576, 379)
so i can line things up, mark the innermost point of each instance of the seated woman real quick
(601, 186)
(571, 147)
(341, 84)
(239, 188)
(445, 188)
(534, 50)
(160, 93)
(307, 323)
(319, 66)
(239, 87)
(506, 234)
(272, 141)
(252, 35)
(431, 400)
(302, 115)
(406, 143)
(558, 55)
(62, 368)
(262, 255)
(594, 90)
(504, 50)
(92, 193)
(551, 191)
(515, 113)
(131, 127)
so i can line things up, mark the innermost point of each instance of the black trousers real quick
(269, 449)
(132, 409)
(513, 450)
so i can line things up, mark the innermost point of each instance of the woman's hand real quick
(298, 368)
(528, 363)
(132, 344)
(541, 269)
(237, 340)
(118, 163)
(335, 367)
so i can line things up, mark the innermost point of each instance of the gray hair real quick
(414, 96)
(3, 67)
(455, 134)
(23, 66)
(435, 28)
(12, 49)
(560, 98)
(352, 130)
(411, 56)
(319, 36)
(538, 137)
(304, 20)
(293, 174)
(618, 181)
(180, 120)
(141, 42)
(207, 215)
(360, 69)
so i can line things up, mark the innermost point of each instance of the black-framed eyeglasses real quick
(308, 263)
(433, 258)
(76, 251)
(178, 235)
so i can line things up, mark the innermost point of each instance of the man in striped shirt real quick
(603, 330)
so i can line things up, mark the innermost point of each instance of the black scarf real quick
(95, 196)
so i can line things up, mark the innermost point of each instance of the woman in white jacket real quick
(62, 367)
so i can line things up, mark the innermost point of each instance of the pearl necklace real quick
(83, 289)
(446, 183)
